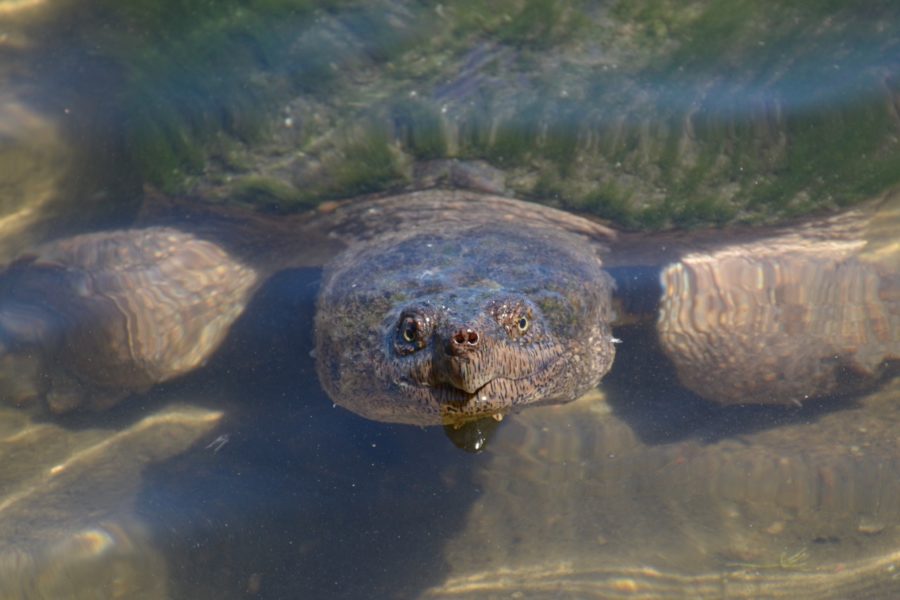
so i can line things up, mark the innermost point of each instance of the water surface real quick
(242, 479)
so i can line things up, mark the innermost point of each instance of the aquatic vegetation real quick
(366, 164)
(266, 192)
(187, 76)
(418, 126)
(650, 113)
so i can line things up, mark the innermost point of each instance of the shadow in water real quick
(297, 497)
(643, 389)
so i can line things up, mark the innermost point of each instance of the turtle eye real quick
(412, 332)
(523, 324)
(409, 330)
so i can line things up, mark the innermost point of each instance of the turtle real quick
(460, 307)
(445, 307)
(428, 315)
(452, 320)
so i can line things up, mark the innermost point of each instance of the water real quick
(316, 480)
(241, 479)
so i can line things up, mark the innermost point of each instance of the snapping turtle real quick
(446, 307)
(418, 337)
(450, 306)
(458, 309)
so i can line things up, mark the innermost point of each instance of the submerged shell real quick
(784, 319)
(89, 319)
(458, 306)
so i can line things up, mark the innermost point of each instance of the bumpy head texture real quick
(457, 319)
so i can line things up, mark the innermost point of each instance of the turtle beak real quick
(462, 360)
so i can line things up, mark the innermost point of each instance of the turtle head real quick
(474, 354)
(458, 320)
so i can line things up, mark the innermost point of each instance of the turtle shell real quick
(94, 317)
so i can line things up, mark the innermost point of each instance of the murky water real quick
(745, 444)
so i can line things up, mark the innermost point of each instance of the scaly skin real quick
(466, 314)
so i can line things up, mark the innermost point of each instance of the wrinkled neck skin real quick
(451, 325)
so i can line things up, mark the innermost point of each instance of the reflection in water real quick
(474, 435)
(575, 505)
(66, 526)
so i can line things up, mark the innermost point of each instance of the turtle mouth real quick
(496, 392)
(499, 394)
(474, 395)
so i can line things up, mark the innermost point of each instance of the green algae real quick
(186, 73)
(368, 163)
(650, 113)
(418, 127)
(268, 193)
(542, 23)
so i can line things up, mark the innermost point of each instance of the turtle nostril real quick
(465, 338)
